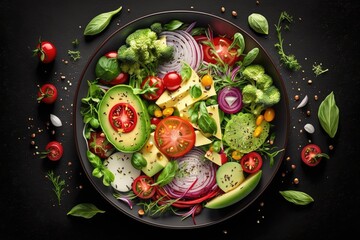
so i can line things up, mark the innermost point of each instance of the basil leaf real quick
(107, 68)
(297, 197)
(250, 56)
(168, 173)
(328, 115)
(173, 25)
(258, 23)
(85, 210)
(195, 91)
(99, 22)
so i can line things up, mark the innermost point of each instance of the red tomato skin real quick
(156, 82)
(172, 81)
(46, 51)
(55, 150)
(120, 112)
(99, 145)
(308, 154)
(155, 120)
(221, 47)
(175, 140)
(47, 93)
(142, 187)
(251, 158)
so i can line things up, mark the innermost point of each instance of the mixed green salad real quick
(179, 118)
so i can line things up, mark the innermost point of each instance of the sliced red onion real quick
(230, 100)
(186, 49)
(196, 176)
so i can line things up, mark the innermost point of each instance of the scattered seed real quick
(222, 9)
(316, 97)
(141, 212)
(234, 13)
(296, 97)
(331, 147)
(293, 166)
(308, 112)
(309, 81)
(296, 181)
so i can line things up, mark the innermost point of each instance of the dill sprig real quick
(288, 59)
(318, 69)
(58, 185)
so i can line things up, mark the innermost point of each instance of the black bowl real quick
(220, 27)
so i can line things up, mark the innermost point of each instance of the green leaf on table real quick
(85, 210)
(328, 115)
(297, 197)
(100, 22)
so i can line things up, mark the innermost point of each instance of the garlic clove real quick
(303, 102)
(55, 120)
(309, 128)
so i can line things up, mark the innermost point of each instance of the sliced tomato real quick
(99, 145)
(311, 155)
(174, 136)
(220, 49)
(143, 187)
(123, 117)
(251, 162)
(152, 87)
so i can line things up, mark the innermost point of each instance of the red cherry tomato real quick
(174, 136)
(54, 150)
(46, 51)
(153, 87)
(99, 145)
(155, 120)
(121, 78)
(251, 162)
(123, 117)
(47, 93)
(221, 47)
(143, 187)
(311, 155)
(172, 80)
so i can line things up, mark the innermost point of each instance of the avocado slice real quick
(236, 194)
(134, 140)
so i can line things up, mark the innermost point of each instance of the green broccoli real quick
(143, 50)
(256, 75)
(260, 92)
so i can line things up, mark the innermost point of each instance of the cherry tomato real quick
(221, 45)
(269, 114)
(311, 155)
(172, 80)
(123, 117)
(121, 78)
(143, 187)
(46, 51)
(251, 162)
(47, 93)
(99, 145)
(153, 87)
(54, 150)
(174, 136)
(155, 120)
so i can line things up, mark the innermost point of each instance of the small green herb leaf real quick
(100, 22)
(85, 210)
(173, 25)
(195, 91)
(258, 23)
(328, 115)
(297, 197)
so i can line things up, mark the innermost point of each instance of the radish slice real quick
(230, 100)
(120, 165)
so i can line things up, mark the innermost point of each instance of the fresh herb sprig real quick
(318, 69)
(288, 59)
(58, 183)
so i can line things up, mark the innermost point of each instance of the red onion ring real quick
(230, 100)
(186, 49)
(196, 176)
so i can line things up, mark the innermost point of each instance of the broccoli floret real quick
(253, 72)
(144, 48)
(257, 76)
(156, 27)
(256, 100)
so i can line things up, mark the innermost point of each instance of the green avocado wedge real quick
(235, 195)
(119, 104)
